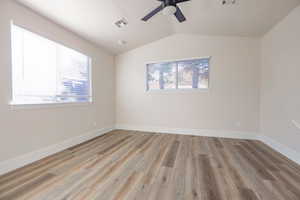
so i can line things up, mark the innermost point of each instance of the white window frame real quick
(17, 105)
(178, 89)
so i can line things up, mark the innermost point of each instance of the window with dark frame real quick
(184, 74)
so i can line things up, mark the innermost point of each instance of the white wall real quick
(280, 81)
(27, 130)
(232, 102)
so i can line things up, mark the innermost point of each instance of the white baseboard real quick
(26, 159)
(196, 132)
(283, 149)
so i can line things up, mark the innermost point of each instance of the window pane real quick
(73, 75)
(39, 67)
(193, 74)
(47, 72)
(161, 76)
(17, 61)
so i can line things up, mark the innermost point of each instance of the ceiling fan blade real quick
(181, 1)
(179, 15)
(154, 12)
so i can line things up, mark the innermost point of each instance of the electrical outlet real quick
(296, 124)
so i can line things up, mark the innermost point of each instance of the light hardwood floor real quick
(140, 166)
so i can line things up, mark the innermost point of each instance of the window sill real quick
(15, 106)
(178, 90)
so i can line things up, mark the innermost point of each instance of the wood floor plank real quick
(109, 171)
(127, 186)
(277, 156)
(26, 187)
(171, 157)
(265, 161)
(208, 179)
(233, 175)
(131, 165)
(248, 173)
(263, 172)
(188, 160)
(151, 171)
(56, 187)
(34, 167)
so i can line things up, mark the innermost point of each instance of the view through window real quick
(185, 74)
(46, 72)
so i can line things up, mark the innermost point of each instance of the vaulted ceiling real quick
(94, 19)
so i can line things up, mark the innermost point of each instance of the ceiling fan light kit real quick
(169, 10)
(168, 7)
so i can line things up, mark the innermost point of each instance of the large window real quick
(185, 74)
(46, 72)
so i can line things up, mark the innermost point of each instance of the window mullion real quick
(90, 76)
(57, 74)
(176, 75)
(23, 59)
(147, 76)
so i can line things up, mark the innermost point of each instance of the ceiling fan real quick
(168, 7)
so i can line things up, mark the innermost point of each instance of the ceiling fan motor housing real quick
(169, 3)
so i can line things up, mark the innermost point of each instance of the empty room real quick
(150, 100)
